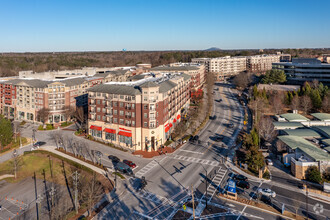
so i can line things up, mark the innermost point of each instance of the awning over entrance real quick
(174, 120)
(167, 129)
(109, 130)
(171, 125)
(178, 117)
(96, 128)
(126, 134)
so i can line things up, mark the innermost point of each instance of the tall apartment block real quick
(140, 114)
(261, 63)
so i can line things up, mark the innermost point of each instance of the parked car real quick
(114, 159)
(217, 139)
(230, 125)
(123, 168)
(267, 192)
(196, 137)
(129, 163)
(240, 177)
(269, 162)
(191, 139)
(266, 199)
(243, 184)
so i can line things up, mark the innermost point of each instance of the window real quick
(115, 120)
(145, 98)
(121, 104)
(121, 97)
(133, 106)
(98, 101)
(103, 118)
(133, 114)
(98, 109)
(115, 104)
(145, 107)
(126, 140)
(121, 121)
(110, 136)
(103, 110)
(115, 112)
(152, 124)
(96, 133)
(121, 113)
(145, 124)
(145, 115)
(99, 117)
(133, 123)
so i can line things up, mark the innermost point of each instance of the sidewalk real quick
(237, 170)
(53, 150)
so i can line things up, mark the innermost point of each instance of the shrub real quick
(23, 123)
(49, 127)
(266, 175)
(313, 174)
(41, 127)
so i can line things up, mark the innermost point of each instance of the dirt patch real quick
(181, 215)
(151, 154)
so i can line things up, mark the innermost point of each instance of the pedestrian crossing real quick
(216, 181)
(146, 169)
(154, 198)
(197, 160)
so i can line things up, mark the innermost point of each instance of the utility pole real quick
(75, 178)
(36, 193)
(50, 166)
(193, 201)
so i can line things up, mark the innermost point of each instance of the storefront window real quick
(126, 140)
(110, 136)
(96, 133)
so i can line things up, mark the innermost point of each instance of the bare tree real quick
(242, 80)
(326, 103)
(277, 103)
(258, 106)
(306, 103)
(315, 84)
(280, 146)
(295, 103)
(16, 129)
(43, 114)
(81, 117)
(266, 128)
(69, 112)
(91, 191)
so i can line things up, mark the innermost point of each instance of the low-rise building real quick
(301, 70)
(301, 154)
(261, 63)
(139, 115)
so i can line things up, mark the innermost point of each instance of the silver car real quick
(267, 192)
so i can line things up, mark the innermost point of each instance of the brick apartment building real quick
(196, 71)
(139, 115)
(261, 63)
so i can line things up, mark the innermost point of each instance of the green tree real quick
(255, 91)
(6, 132)
(307, 89)
(255, 137)
(316, 99)
(274, 76)
(313, 174)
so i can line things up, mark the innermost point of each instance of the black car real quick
(114, 159)
(240, 177)
(243, 184)
(191, 139)
(266, 199)
(217, 139)
(231, 125)
(196, 137)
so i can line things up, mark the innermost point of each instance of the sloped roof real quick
(288, 124)
(326, 142)
(292, 117)
(149, 84)
(322, 116)
(166, 86)
(325, 130)
(295, 142)
(302, 132)
(116, 89)
(174, 68)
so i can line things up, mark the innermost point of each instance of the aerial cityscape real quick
(165, 110)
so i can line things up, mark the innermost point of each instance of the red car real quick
(129, 163)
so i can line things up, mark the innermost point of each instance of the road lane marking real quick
(196, 160)
(190, 151)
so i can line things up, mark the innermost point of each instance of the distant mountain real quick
(213, 49)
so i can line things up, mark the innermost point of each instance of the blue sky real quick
(95, 25)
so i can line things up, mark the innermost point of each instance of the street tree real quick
(6, 132)
(43, 114)
(266, 128)
(17, 162)
(306, 103)
(91, 191)
(242, 80)
(326, 103)
(277, 103)
(69, 112)
(81, 117)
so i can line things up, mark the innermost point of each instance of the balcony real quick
(152, 100)
(152, 109)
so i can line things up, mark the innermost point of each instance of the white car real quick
(267, 192)
(269, 162)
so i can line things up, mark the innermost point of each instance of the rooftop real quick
(174, 68)
(326, 142)
(325, 130)
(322, 116)
(278, 87)
(302, 132)
(288, 124)
(295, 142)
(292, 117)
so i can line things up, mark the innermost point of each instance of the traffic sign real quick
(232, 186)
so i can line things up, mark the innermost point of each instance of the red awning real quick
(178, 117)
(96, 128)
(171, 125)
(167, 129)
(126, 134)
(125, 129)
(109, 130)
(174, 120)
